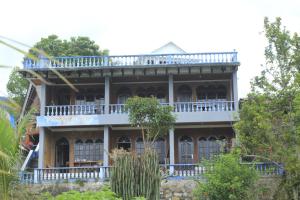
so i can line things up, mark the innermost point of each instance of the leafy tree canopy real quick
(154, 120)
(52, 46)
(17, 86)
(269, 119)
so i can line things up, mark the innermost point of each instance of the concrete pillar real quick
(41, 90)
(106, 95)
(171, 90)
(106, 147)
(171, 131)
(172, 153)
(235, 90)
(41, 147)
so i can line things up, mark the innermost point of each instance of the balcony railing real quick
(103, 173)
(62, 110)
(131, 60)
(205, 106)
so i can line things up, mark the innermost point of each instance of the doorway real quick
(62, 153)
(186, 150)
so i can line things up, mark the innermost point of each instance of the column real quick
(106, 147)
(171, 131)
(41, 90)
(235, 90)
(172, 153)
(171, 90)
(106, 95)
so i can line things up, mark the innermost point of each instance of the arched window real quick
(184, 94)
(139, 146)
(203, 150)
(89, 150)
(124, 143)
(99, 149)
(123, 94)
(186, 150)
(160, 147)
(78, 151)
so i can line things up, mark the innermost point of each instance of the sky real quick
(141, 26)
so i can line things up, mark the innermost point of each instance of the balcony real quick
(90, 62)
(186, 112)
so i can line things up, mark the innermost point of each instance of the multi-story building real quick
(82, 116)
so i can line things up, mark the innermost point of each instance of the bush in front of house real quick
(226, 179)
(104, 194)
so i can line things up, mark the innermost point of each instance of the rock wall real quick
(264, 189)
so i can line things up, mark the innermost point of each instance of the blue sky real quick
(140, 26)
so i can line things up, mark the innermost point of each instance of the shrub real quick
(104, 194)
(226, 179)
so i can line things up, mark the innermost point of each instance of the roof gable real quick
(169, 48)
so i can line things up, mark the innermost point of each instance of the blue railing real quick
(131, 60)
(178, 171)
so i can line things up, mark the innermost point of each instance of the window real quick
(124, 143)
(139, 146)
(78, 150)
(99, 149)
(184, 94)
(207, 148)
(160, 147)
(89, 150)
(123, 94)
(211, 92)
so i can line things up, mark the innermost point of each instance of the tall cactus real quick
(134, 175)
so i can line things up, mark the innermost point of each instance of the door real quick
(62, 153)
(186, 150)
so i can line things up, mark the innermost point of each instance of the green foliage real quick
(9, 150)
(76, 46)
(17, 86)
(146, 113)
(133, 175)
(226, 179)
(104, 194)
(269, 118)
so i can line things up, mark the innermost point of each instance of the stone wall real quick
(264, 189)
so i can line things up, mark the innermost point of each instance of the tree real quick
(153, 119)
(269, 118)
(139, 175)
(52, 46)
(17, 86)
(228, 179)
(76, 46)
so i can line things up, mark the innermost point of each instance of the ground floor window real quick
(209, 147)
(159, 146)
(124, 143)
(88, 150)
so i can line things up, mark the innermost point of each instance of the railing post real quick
(35, 175)
(101, 173)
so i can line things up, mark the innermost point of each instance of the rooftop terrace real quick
(132, 61)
